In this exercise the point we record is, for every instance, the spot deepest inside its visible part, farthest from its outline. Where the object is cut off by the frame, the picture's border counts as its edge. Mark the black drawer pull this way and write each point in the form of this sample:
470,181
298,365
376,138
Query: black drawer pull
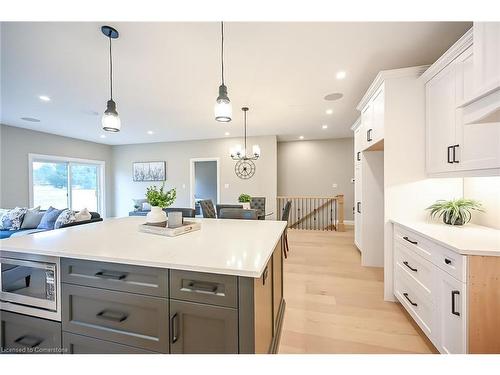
369,135
453,294
358,207
410,241
201,287
264,276
175,328
447,261
28,341
111,275
448,157
410,267
113,316
454,154
409,300
358,156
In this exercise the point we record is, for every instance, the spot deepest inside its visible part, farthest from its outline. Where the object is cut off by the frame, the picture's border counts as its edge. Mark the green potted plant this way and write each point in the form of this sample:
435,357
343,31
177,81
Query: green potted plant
159,199
245,200
455,212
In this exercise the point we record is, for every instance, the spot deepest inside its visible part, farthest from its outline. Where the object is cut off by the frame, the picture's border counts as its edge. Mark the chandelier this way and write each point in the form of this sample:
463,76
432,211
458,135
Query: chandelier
239,152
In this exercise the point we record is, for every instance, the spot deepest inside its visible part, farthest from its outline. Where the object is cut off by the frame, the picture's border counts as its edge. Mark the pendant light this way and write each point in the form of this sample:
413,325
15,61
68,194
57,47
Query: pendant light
238,153
222,109
110,120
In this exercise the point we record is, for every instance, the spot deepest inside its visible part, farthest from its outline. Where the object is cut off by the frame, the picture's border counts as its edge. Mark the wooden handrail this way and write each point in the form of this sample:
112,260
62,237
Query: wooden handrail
314,212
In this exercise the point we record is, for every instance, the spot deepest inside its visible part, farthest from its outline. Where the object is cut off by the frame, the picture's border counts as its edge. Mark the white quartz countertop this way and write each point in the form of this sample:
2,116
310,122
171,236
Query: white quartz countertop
231,247
468,239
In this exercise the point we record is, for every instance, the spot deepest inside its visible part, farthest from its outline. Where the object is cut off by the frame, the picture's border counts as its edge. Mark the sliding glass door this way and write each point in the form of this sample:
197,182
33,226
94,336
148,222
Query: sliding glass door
67,183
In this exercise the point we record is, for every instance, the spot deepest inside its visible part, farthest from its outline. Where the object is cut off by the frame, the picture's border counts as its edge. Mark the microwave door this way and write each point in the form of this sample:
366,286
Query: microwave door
28,283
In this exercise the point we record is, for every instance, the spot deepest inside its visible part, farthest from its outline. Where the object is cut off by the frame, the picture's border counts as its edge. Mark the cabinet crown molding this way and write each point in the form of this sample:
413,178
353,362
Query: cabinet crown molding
451,54
356,124
384,75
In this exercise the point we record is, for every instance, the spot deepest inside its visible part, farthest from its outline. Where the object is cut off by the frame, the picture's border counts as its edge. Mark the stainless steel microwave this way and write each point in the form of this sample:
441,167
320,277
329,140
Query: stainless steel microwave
31,286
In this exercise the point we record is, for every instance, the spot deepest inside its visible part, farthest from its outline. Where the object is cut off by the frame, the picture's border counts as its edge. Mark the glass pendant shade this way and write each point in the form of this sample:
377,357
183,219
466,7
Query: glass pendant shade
110,120
223,109
256,150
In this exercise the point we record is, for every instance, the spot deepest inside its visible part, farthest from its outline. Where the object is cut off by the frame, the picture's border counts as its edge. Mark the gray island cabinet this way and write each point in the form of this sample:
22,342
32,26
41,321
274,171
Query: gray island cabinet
110,307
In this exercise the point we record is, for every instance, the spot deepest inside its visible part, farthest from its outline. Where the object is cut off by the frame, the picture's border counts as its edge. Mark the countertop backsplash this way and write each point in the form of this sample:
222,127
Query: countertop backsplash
487,191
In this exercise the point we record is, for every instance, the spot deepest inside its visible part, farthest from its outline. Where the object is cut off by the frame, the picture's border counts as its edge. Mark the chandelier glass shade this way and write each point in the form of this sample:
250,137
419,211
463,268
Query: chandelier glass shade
239,152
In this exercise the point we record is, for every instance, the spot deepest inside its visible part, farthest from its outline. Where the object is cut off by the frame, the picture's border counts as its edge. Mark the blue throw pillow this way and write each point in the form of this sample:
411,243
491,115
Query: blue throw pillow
49,218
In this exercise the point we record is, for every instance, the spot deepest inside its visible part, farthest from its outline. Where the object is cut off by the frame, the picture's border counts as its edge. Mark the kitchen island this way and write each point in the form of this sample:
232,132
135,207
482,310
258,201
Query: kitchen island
117,290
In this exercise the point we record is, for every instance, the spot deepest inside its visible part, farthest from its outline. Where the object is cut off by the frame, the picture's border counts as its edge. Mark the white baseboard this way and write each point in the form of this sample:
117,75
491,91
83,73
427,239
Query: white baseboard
349,222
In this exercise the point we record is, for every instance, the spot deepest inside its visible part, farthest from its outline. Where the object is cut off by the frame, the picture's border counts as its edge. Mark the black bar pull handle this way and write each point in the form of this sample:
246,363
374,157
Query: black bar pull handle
264,276
409,300
369,135
447,261
454,153
203,287
28,341
448,156
175,328
358,207
358,156
410,267
410,241
113,316
453,307
112,275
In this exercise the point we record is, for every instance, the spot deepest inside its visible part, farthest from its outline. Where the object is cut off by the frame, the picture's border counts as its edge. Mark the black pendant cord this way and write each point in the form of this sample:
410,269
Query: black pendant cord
246,151
222,51
110,67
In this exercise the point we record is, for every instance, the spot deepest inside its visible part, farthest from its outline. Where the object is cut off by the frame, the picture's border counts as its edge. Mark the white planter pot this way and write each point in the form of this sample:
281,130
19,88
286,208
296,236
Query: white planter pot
156,216
246,205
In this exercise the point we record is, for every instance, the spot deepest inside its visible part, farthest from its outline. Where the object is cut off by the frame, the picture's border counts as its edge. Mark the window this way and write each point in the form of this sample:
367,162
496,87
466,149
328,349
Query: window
66,182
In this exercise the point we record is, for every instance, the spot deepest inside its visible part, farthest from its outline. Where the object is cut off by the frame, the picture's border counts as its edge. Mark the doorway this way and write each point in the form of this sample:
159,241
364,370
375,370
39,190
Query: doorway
205,181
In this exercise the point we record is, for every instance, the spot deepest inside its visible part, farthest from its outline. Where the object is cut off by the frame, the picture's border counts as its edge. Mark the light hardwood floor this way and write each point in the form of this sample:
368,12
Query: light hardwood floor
334,305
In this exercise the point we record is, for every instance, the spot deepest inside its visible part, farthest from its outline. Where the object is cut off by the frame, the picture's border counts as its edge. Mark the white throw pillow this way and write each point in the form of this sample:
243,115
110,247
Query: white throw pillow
146,207
66,217
83,215
3,212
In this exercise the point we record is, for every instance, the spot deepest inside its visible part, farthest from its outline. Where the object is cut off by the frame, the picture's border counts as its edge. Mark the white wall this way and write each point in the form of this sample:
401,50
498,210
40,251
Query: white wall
17,143
487,191
178,155
310,168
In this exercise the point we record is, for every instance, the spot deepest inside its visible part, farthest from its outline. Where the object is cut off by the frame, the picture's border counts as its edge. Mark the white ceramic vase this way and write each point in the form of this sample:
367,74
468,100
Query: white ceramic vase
156,216
246,205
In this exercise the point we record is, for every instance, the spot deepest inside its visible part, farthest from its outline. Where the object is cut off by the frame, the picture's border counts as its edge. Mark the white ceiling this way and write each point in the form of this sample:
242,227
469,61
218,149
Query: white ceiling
167,75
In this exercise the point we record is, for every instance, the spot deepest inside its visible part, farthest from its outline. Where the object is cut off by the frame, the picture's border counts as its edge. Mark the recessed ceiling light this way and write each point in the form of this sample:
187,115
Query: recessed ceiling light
44,98
30,119
340,74
329,111
301,137
324,126
102,136
226,133
150,132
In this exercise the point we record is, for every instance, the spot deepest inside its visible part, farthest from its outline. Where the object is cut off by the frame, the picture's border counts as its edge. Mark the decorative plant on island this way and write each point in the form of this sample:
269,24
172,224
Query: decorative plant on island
245,199
159,199
455,212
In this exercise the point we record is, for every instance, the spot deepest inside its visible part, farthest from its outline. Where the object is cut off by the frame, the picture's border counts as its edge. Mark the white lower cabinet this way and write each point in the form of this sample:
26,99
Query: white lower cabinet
426,282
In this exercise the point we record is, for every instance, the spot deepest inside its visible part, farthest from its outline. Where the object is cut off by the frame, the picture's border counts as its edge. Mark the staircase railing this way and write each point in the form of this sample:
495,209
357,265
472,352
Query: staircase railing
314,213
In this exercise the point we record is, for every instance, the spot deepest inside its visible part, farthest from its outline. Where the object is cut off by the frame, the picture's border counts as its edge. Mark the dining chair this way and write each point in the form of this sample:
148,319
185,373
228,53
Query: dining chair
207,209
285,217
238,213
259,204
219,207
186,212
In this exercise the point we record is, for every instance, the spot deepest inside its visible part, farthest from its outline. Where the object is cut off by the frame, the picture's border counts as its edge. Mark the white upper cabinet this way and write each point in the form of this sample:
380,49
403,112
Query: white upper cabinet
455,142
372,119
486,55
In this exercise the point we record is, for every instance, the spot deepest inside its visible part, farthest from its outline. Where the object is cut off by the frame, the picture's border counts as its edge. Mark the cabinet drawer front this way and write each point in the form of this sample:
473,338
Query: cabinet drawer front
451,262
26,334
121,277
418,305
416,267
413,241
130,319
78,344
221,290
203,329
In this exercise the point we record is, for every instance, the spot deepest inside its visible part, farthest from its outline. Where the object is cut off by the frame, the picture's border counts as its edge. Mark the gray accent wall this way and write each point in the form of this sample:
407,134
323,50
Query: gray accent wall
310,168
178,155
17,143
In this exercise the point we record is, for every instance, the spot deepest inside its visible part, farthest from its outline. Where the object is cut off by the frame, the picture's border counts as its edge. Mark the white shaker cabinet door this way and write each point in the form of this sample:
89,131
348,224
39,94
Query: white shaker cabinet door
440,122
486,55
358,218
452,314
378,110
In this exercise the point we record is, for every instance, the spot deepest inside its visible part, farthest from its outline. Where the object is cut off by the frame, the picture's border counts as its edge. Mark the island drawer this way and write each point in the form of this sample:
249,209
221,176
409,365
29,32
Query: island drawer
26,334
78,344
213,289
120,277
124,318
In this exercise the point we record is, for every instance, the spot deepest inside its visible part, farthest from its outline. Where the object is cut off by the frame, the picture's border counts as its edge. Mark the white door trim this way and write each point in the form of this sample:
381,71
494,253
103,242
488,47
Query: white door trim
191,177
